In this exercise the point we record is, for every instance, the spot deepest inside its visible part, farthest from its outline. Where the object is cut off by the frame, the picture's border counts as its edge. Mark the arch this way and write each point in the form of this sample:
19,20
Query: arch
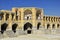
48,25
38,14
3,27
58,25
27,25
1,15
14,26
27,11
27,14
53,26
38,25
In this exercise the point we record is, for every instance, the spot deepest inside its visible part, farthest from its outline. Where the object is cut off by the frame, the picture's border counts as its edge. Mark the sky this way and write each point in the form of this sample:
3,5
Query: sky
51,7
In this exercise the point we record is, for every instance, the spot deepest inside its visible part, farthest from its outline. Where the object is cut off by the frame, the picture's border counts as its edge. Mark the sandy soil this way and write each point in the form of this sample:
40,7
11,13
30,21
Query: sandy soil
34,37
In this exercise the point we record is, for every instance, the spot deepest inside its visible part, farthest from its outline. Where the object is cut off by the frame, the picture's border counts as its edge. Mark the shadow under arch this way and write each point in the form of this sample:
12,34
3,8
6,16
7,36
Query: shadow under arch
53,26
3,27
48,25
58,25
27,25
14,26
38,25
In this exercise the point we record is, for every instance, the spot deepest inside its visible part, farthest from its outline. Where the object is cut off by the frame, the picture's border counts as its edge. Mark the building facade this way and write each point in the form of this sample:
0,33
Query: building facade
27,19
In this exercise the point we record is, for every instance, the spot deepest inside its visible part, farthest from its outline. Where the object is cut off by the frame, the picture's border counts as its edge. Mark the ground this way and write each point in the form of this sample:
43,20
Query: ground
34,37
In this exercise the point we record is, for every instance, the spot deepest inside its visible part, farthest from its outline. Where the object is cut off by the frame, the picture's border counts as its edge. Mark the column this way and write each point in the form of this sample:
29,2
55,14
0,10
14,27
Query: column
42,12
10,17
51,25
55,19
19,21
50,19
18,15
22,15
45,18
4,16
45,26
9,22
33,16
55,26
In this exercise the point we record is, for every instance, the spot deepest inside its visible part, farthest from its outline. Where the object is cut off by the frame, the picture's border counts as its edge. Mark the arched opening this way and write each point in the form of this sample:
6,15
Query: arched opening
52,19
12,15
26,26
3,27
38,25
27,14
49,18
48,25
53,26
38,14
17,14
1,15
14,26
7,16
58,25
